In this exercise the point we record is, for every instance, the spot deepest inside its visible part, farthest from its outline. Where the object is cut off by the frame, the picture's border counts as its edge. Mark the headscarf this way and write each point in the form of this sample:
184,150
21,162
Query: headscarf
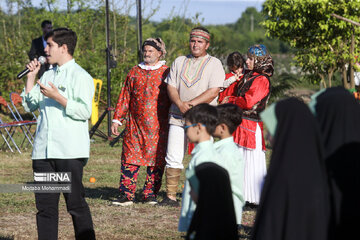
158,44
263,62
214,217
338,114
294,202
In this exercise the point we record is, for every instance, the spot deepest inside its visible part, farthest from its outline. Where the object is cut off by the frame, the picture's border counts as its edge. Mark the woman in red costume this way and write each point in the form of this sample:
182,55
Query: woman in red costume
251,94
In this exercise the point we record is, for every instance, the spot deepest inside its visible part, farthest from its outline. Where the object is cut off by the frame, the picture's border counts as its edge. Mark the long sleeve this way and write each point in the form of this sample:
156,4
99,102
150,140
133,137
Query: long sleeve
31,100
62,132
122,105
80,105
258,90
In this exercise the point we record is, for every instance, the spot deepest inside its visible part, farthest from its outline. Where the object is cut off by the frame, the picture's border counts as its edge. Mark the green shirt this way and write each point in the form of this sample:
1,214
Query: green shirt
203,152
232,161
62,133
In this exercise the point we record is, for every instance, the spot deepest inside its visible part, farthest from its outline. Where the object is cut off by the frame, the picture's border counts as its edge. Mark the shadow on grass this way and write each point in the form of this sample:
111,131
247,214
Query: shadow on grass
109,193
245,232
104,193
6,238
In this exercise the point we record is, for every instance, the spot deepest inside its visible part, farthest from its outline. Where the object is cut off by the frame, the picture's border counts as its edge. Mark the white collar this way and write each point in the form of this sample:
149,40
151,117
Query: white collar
146,67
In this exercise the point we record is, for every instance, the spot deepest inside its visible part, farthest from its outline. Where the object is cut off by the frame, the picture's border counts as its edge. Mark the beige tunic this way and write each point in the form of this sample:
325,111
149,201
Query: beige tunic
191,77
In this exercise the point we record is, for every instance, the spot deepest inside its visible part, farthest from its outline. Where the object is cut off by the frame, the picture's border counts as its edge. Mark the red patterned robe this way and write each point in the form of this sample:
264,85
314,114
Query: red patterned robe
145,104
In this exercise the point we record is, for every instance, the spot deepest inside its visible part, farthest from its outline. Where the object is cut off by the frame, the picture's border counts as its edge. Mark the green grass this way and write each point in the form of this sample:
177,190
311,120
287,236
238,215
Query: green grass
140,221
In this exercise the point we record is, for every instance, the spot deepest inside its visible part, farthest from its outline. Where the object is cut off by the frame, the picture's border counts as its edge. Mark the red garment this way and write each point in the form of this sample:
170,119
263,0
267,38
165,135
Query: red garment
144,98
229,91
244,135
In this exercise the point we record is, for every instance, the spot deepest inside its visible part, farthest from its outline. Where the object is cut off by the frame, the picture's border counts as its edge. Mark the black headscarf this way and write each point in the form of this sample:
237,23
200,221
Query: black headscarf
294,201
214,217
338,114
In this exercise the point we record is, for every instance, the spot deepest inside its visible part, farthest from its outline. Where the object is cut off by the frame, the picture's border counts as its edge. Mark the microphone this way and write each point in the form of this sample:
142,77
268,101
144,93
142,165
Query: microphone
41,59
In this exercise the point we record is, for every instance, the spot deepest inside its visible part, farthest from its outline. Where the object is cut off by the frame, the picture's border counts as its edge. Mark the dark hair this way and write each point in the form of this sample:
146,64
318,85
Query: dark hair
201,28
204,114
45,22
64,36
230,115
235,59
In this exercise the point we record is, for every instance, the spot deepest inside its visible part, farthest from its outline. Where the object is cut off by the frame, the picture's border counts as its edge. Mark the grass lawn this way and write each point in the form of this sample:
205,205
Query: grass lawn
139,221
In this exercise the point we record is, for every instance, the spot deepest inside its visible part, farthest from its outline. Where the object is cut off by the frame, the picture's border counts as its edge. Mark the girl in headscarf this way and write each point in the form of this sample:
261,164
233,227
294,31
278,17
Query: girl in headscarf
251,94
338,114
214,217
294,202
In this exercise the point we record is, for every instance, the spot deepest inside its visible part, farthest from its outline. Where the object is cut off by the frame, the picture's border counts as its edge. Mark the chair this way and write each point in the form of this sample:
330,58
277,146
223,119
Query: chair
95,102
24,125
8,128
16,99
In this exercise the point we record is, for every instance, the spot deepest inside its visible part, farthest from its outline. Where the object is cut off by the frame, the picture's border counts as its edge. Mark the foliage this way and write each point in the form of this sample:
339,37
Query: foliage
322,42
21,23
283,82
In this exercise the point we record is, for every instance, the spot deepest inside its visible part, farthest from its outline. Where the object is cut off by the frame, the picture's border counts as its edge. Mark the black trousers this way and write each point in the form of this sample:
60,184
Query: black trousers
47,204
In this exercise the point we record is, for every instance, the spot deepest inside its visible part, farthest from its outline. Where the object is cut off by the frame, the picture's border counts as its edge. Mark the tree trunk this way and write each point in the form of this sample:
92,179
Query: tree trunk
126,28
69,6
5,37
346,85
322,81
49,5
351,65
330,75
19,18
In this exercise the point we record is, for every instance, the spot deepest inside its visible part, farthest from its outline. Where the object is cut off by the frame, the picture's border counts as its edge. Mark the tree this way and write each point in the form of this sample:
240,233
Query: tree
322,42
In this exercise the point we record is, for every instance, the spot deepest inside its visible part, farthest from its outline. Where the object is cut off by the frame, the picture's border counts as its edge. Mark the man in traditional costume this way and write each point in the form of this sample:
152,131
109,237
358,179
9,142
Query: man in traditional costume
192,80
145,102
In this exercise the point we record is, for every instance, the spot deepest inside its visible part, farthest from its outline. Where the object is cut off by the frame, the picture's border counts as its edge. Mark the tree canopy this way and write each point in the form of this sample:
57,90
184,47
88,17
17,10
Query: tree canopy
20,23
321,41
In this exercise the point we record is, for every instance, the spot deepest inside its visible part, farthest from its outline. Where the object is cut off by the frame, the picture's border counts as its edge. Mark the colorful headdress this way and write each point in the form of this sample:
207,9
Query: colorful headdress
263,62
199,33
157,43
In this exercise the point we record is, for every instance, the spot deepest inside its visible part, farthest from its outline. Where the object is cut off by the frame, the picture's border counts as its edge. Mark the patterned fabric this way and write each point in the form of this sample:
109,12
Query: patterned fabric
212,76
198,33
145,102
157,43
263,61
189,77
128,180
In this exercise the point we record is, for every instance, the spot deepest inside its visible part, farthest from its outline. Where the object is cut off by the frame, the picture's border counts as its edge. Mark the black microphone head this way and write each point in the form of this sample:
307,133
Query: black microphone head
42,60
